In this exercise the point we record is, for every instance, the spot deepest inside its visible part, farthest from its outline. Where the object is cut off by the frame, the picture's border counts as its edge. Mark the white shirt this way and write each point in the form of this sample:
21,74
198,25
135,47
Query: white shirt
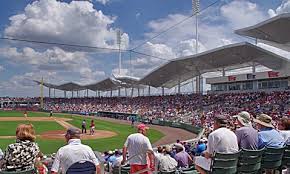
138,144
167,163
72,153
222,140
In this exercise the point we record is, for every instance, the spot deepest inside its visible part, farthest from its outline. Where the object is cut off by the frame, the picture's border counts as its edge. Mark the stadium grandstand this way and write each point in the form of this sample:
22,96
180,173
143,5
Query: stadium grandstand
241,122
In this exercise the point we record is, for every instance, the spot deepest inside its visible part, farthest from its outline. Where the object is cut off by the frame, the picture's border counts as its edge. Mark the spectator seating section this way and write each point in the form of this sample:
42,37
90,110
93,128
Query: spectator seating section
272,158
250,161
286,157
82,167
31,171
225,163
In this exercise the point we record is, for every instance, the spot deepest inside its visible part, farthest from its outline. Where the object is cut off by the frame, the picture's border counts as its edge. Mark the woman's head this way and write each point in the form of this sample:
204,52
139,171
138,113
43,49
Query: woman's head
25,132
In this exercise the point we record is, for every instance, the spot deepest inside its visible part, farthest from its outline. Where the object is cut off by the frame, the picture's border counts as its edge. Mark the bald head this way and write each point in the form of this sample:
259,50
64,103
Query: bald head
73,133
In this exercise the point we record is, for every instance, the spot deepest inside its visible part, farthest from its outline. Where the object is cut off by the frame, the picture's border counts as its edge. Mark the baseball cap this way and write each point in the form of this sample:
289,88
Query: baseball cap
142,127
244,118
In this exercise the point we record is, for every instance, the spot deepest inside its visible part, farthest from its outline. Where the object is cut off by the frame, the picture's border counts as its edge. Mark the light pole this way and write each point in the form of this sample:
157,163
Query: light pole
120,57
195,11
119,44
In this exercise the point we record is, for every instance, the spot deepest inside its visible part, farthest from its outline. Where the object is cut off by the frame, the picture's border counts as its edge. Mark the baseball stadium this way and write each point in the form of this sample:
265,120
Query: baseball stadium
113,86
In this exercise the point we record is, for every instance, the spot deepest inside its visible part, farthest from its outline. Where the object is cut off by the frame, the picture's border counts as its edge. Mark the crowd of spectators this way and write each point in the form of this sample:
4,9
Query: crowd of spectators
180,108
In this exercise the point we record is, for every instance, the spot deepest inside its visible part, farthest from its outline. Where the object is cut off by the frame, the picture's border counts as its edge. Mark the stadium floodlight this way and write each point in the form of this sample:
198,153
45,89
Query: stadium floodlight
119,40
195,11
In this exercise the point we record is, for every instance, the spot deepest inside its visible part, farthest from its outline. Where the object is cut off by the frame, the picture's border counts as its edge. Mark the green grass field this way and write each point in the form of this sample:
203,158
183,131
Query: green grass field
6,127
51,146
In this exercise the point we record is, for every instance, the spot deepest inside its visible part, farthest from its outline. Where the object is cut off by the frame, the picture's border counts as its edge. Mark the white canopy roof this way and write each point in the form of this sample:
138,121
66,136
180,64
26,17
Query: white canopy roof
274,31
228,57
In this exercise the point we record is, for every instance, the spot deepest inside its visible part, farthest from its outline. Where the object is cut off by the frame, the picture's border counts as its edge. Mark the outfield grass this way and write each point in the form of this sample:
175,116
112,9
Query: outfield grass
9,127
51,146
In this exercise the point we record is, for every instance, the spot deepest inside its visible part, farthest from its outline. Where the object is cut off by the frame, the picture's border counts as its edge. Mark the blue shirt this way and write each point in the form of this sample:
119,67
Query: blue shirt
200,148
269,137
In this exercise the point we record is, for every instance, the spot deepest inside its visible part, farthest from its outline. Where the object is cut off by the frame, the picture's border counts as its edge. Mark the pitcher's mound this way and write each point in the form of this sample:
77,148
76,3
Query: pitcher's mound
59,135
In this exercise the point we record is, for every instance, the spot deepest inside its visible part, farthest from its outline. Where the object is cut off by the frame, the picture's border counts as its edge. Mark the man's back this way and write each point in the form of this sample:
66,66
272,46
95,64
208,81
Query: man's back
182,159
247,137
269,137
71,153
138,144
222,140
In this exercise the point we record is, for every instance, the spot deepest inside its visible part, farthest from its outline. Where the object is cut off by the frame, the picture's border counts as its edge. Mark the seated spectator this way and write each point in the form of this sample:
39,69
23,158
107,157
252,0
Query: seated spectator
284,127
221,140
246,134
116,159
200,147
268,135
166,162
73,152
159,153
183,158
21,155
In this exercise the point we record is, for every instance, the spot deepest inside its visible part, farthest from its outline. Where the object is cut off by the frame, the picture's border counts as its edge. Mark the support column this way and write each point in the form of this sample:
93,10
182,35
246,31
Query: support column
149,90
178,89
199,84
162,91
99,93
223,72
111,93
253,68
72,94
53,92
96,93
138,89
87,93
49,92
64,94
125,92
119,92
132,92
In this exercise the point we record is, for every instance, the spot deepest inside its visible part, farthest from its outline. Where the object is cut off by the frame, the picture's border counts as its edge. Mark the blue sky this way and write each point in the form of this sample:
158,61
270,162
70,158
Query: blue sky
95,23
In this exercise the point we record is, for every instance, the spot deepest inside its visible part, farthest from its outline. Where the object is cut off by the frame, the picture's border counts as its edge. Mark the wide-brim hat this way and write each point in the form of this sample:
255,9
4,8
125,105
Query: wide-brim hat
264,120
244,118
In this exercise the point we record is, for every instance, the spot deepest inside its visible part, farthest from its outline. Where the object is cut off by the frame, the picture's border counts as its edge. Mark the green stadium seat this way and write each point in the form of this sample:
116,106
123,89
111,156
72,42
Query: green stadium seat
31,171
286,157
125,169
250,161
272,158
167,172
225,163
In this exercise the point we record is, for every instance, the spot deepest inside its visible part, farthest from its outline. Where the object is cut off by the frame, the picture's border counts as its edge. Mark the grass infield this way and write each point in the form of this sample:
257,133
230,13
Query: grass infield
7,128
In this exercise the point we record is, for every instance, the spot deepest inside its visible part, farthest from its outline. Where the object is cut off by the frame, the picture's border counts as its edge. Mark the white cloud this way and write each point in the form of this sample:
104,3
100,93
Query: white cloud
138,15
104,2
76,22
2,68
50,59
283,8
241,14
123,72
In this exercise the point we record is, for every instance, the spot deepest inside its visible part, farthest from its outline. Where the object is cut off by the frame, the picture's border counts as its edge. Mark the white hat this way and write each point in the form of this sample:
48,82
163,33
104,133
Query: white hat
244,118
